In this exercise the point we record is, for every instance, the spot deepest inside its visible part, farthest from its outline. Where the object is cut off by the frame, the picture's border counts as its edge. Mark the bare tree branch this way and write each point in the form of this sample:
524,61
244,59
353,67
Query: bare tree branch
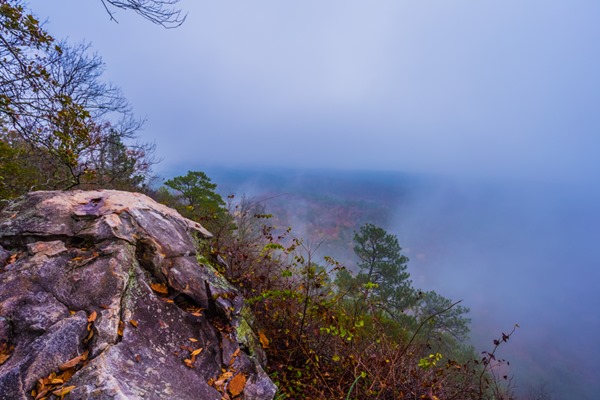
160,12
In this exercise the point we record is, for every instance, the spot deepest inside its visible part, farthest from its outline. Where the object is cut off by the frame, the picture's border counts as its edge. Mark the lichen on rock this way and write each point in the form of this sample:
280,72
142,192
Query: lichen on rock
101,296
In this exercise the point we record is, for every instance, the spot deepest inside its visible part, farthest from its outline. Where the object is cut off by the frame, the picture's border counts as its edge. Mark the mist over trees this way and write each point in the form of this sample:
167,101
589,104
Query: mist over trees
332,331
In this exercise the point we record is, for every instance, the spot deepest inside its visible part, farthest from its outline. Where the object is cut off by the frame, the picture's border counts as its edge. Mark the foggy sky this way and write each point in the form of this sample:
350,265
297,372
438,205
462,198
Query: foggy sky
516,254
472,87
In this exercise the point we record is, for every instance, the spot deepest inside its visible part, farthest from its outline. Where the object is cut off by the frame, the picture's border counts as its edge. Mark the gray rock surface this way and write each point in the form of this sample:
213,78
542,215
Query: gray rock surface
102,297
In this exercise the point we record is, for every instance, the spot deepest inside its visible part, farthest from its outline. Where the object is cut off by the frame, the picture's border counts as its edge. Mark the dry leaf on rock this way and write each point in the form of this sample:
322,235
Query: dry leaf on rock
5,352
234,355
221,381
160,288
92,316
237,384
63,391
89,335
73,361
197,351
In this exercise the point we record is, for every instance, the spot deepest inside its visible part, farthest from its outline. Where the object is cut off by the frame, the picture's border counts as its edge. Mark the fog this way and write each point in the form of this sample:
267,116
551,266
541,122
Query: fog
517,253
470,87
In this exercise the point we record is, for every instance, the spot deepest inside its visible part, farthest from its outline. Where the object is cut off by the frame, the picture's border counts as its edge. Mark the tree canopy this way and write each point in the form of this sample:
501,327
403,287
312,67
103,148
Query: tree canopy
61,126
382,269
195,198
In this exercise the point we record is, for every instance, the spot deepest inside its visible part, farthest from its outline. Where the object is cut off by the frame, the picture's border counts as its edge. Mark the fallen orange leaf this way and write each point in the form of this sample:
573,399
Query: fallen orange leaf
224,376
237,384
263,340
133,322
90,334
65,376
72,362
234,355
3,358
63,391
5,352
192,339
159,288
42,393
197,351
92,316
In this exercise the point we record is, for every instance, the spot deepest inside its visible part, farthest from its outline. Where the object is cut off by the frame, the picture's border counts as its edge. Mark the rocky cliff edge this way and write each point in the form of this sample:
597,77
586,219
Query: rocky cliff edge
102,297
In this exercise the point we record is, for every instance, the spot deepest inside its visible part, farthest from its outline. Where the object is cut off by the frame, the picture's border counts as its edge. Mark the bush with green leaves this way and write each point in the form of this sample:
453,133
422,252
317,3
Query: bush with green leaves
338,335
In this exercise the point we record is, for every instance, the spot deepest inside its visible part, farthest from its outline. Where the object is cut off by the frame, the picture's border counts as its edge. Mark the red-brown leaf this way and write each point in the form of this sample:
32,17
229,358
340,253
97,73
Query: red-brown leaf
73,362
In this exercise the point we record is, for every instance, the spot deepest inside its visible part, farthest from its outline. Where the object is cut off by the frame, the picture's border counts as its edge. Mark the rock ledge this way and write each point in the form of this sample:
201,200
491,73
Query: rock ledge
102,297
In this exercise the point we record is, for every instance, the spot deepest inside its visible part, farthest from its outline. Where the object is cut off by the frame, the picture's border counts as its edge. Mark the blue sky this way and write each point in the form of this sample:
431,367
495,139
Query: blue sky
492,88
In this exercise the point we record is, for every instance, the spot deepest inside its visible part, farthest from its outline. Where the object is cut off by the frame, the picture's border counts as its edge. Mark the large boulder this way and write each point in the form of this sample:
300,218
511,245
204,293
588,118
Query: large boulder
102,296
